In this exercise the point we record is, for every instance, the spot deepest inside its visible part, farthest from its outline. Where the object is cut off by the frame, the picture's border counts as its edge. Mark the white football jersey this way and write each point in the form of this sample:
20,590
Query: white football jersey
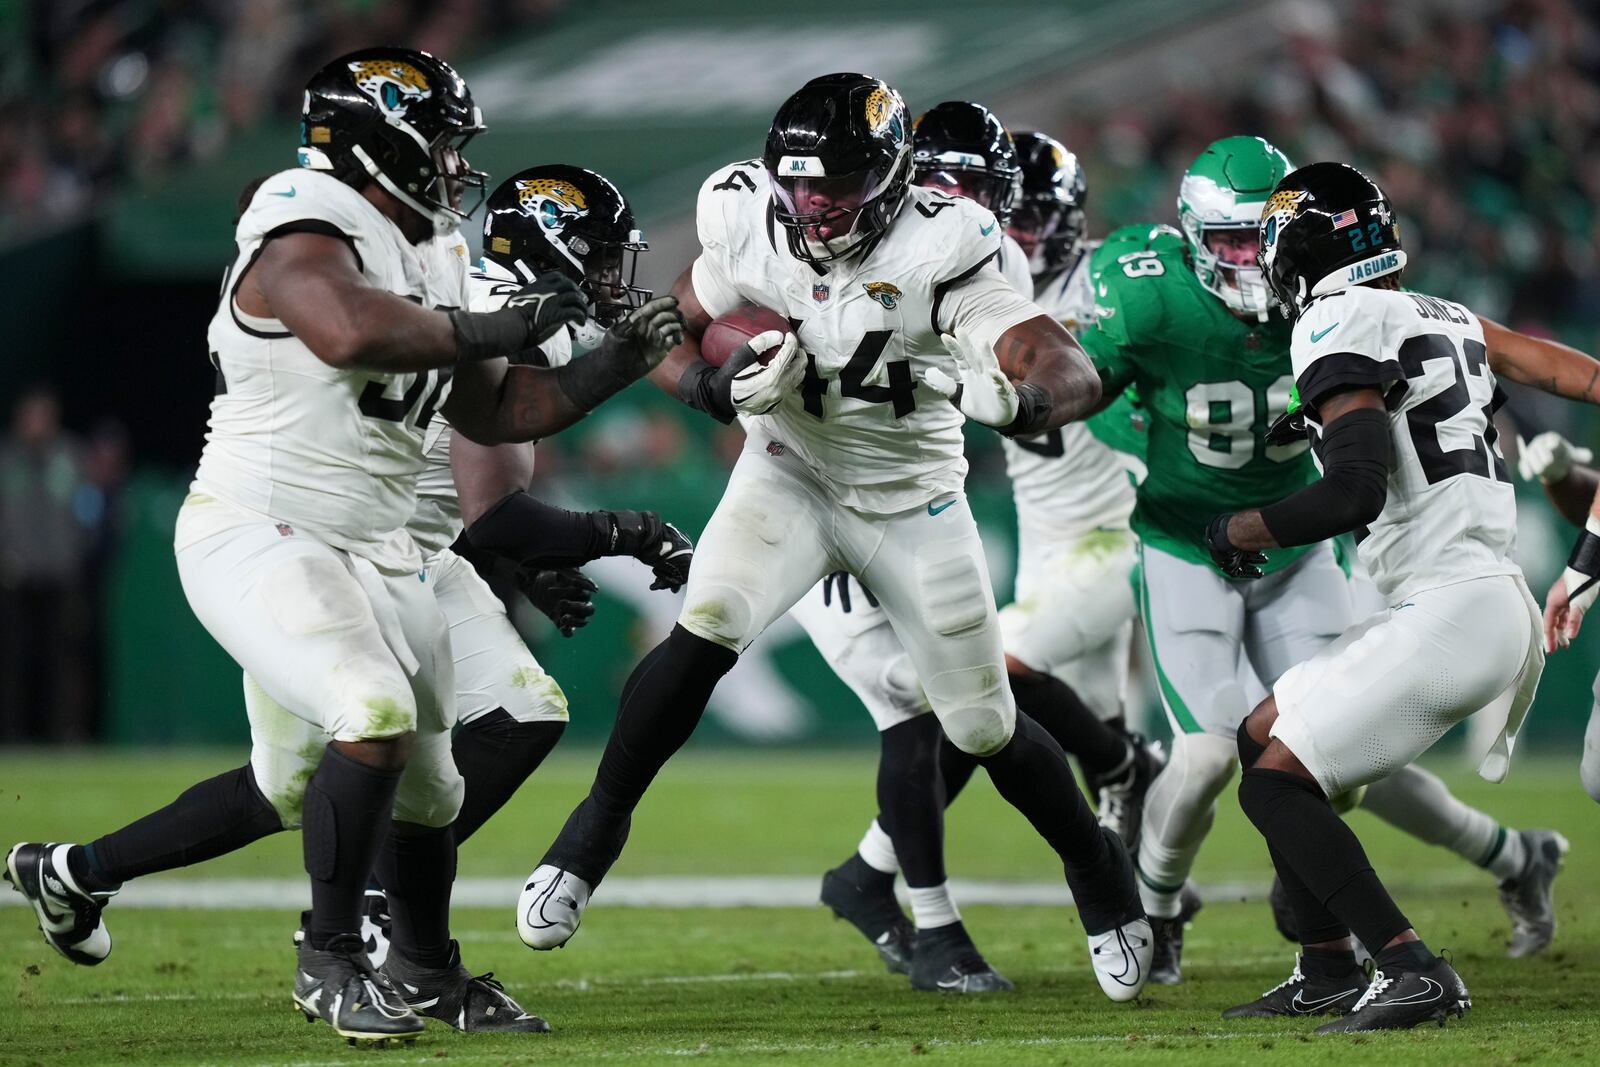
1066,482
871,327
436,522
1451,509
332,452
1014,265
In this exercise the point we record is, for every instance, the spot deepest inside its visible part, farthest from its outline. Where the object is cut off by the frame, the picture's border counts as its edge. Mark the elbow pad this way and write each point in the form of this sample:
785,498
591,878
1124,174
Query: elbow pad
1355,456
525,530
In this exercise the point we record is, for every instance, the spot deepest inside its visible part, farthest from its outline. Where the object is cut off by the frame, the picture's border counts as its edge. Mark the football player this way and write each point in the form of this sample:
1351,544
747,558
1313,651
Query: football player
853,461
1396,390
339,328
1195,330
1073,500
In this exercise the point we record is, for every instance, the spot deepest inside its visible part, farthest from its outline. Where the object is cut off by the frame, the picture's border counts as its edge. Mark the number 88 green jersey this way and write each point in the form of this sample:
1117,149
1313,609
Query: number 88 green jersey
1211,384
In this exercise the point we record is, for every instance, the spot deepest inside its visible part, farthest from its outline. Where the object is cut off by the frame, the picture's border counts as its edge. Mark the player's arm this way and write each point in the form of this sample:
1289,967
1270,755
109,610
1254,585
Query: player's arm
1111,362
1355,458
1559,467
313,284
1546,365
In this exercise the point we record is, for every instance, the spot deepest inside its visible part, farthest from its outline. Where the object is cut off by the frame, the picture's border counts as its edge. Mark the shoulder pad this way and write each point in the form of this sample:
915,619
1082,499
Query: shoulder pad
734,200
1014,265
308,196
957,235
488,294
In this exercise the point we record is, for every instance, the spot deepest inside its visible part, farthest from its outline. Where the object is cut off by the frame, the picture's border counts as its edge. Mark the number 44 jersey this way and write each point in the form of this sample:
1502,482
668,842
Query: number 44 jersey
334,453
882,442
1450,513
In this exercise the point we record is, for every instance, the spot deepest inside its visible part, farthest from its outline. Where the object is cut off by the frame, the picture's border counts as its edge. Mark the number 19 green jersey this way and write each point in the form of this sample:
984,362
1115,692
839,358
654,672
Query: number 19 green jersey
1211,384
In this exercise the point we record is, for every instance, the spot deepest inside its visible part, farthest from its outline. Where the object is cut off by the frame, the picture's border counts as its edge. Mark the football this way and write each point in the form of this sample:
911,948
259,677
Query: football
735,328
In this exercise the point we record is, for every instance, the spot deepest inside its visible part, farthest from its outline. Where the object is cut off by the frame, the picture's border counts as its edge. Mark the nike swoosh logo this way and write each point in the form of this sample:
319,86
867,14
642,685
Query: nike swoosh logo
418,1005
1310,1006
284,195
955,984
987,230
1317,335
1434,992
935,510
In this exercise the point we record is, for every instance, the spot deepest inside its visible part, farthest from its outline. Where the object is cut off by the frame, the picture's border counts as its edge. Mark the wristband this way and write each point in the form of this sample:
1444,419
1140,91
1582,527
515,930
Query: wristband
1033,411
1583,565
488,334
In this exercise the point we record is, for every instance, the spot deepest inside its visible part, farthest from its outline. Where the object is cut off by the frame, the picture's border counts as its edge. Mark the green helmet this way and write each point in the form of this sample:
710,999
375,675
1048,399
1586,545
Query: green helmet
1223,193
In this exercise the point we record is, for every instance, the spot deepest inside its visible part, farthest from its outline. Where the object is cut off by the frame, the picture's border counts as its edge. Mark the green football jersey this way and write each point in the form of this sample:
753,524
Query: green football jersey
1209,384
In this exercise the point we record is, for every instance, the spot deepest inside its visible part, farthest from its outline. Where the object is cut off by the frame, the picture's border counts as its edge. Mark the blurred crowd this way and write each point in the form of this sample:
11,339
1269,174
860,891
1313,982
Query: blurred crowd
1480,119
94,93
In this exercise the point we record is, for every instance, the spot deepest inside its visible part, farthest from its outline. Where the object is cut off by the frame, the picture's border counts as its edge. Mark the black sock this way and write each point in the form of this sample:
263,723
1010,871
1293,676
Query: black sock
661,704
209,819
1406,956
1031,773
1297,821
1312,920
417,866
1327,962
955,768
495,755
347,810
910,801
1050,702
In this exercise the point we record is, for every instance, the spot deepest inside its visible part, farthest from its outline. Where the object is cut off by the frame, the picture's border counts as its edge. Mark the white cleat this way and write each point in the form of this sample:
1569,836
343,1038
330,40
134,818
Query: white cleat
1121,959
551,907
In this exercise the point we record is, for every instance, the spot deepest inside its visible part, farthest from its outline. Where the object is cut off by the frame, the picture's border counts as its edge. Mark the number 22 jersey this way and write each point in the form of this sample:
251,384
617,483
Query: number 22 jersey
1450,513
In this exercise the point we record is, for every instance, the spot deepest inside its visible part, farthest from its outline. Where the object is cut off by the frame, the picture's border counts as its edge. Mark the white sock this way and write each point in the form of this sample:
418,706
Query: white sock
1178,812
1511,857
1416,802
933,906
878,851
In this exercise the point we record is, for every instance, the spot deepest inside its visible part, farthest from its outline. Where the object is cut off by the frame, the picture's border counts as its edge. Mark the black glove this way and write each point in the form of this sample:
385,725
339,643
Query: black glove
565,596
710,389
531,316
659,545
1234,562
1287,428
630,350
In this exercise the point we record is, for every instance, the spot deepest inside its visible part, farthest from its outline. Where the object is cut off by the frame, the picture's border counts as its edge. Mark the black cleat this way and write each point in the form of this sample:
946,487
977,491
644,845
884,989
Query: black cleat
338,985
1529,898
1166,966
69,916
945,959
1120,792
1305,995
864,897
473,1005
1399,1000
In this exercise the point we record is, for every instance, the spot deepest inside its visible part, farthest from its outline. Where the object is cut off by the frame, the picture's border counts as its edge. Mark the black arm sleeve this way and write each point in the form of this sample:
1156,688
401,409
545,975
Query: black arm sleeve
1355,457
526,530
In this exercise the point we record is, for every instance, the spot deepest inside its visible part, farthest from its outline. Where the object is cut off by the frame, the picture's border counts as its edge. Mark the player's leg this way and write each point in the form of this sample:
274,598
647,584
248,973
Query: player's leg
1194,621
764,546
1362,708
929,573
1589,768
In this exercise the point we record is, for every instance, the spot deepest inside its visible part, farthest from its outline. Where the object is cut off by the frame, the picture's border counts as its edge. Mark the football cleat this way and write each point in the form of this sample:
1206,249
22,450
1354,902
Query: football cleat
872,909
1166,968
1399,1000
471,1004
1121,946
338,985
1529,898
69,916
551,907
376,926
1121,791
1305,995
944,958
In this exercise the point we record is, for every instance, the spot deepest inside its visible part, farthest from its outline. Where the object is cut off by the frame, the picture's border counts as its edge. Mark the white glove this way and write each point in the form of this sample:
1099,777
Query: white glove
760,387
1549,457
981,389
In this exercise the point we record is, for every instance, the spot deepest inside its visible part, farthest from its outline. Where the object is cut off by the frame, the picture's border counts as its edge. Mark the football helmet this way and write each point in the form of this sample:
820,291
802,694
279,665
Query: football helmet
565,218
839,156
1048,220
1219,211
960,148
1326,227
401,118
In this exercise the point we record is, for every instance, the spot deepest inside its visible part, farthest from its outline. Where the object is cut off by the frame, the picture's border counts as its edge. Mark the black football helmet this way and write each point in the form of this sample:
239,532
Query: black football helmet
1049,221
565,218
962,149
839,156
1326,227
401,118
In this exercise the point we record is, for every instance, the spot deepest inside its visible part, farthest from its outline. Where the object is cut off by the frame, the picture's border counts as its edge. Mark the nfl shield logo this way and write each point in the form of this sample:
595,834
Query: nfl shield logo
819,292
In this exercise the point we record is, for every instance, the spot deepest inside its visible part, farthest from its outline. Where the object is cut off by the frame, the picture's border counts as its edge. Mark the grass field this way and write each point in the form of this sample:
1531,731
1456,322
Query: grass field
643,985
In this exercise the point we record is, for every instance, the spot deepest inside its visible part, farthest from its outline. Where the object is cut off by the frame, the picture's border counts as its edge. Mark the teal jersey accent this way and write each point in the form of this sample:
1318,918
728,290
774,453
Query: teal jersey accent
1210,384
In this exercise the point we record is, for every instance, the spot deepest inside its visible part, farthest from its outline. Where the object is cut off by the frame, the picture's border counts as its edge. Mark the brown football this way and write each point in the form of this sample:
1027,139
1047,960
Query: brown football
735,328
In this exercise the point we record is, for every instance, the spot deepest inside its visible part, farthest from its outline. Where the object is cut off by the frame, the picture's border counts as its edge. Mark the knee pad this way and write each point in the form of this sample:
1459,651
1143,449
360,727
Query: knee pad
974,707
950,589
431,789
1204,762
534,696
721,614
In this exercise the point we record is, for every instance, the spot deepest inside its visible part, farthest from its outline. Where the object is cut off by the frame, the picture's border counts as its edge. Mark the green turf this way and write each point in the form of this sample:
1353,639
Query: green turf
785,985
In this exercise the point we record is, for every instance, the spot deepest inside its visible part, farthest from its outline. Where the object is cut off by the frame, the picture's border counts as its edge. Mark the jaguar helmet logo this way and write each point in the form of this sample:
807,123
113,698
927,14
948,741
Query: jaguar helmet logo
555,203
883,111
1280,207
393,84
884,293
